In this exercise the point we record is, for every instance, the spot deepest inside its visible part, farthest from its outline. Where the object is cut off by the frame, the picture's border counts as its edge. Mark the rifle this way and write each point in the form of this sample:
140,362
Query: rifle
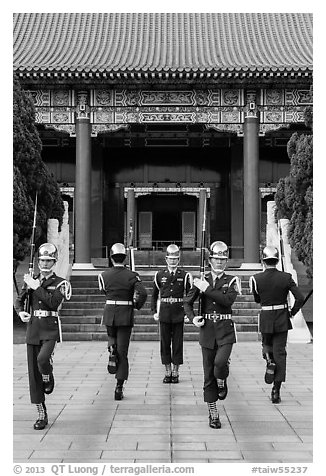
131,247
281,246
202,255
27,304
306,298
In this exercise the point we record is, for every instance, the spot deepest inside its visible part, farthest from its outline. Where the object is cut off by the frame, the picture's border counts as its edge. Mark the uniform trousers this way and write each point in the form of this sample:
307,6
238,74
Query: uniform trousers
171,346
276,344
216,366
120,335
39,361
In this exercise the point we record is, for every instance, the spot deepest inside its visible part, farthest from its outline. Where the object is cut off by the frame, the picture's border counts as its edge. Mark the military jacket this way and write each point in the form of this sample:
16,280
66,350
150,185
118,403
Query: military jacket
270,288
47,297
166,286
217,299
121,284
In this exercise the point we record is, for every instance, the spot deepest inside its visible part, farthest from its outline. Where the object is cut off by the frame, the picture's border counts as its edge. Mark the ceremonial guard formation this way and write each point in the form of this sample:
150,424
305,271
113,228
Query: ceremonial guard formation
217,292
44,293
124,292
271,289
169,288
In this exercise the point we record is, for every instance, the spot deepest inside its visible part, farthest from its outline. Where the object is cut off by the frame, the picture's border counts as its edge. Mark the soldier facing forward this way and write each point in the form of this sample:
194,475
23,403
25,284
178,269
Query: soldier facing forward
169,287
124,292
218,292
270,288
43,326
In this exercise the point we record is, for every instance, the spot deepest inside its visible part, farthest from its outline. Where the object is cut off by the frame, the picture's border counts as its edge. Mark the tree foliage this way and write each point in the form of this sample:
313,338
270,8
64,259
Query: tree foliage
31,175
294,195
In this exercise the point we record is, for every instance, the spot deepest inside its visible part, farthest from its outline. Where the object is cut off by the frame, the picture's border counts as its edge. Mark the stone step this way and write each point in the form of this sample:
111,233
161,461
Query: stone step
144,312
82,315
99,303
102,336
144,329
140,319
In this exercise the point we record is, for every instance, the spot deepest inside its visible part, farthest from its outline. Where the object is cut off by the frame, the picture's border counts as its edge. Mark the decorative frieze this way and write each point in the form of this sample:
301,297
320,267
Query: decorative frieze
138,191
82,106
221,109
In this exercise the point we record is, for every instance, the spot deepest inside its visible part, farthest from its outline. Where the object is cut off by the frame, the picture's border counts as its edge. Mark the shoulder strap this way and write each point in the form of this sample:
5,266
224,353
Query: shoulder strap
237,282
253,284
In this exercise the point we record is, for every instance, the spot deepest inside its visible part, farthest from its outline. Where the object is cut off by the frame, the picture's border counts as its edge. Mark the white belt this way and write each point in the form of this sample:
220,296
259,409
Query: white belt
171,300
217,317
40,313
120,303
274,308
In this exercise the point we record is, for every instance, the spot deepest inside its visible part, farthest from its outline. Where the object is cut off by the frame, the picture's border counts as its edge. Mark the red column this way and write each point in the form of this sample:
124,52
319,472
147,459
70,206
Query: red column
83,182
251,185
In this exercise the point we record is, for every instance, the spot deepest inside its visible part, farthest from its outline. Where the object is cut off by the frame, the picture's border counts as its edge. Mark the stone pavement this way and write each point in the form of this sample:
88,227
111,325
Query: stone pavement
163,423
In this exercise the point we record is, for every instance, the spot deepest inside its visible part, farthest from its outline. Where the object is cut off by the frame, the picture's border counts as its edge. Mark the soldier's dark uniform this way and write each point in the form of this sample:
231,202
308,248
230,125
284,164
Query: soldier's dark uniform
270,288
218,330
43,330
170,289
124,292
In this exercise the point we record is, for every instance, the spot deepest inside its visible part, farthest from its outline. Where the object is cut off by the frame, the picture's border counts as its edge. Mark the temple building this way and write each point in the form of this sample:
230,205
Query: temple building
152,120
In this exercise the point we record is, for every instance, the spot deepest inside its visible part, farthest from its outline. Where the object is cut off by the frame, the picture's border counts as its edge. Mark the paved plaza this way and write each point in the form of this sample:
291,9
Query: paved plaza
164,423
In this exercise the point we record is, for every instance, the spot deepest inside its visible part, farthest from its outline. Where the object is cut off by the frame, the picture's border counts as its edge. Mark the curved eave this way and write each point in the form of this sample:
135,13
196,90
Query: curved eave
158,75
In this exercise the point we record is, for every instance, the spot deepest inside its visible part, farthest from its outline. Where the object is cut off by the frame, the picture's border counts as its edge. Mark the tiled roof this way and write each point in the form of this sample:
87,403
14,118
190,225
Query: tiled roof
156,43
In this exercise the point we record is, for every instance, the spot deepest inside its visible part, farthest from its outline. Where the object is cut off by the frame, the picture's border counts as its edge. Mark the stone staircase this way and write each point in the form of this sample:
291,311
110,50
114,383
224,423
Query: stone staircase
81,316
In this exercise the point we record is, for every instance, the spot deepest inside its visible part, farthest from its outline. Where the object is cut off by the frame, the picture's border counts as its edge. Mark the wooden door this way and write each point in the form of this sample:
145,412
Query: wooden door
188,229
145,220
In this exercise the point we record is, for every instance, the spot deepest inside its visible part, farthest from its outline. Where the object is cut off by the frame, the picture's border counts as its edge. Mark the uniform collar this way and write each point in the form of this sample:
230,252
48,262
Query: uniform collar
45,278
216,276
174,270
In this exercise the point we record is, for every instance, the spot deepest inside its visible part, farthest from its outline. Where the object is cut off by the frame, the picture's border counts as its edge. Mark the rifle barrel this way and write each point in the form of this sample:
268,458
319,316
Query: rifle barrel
31,258
202,253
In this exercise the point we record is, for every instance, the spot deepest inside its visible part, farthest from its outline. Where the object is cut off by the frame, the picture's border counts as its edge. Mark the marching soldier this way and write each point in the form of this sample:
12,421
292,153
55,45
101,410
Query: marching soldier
270,288
43,326
124,292
169,287
218,291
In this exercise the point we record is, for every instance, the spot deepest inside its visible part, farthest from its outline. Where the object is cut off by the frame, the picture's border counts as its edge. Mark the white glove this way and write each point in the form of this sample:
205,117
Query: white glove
201,284
155,316
186,319
31,282
198,321
25,317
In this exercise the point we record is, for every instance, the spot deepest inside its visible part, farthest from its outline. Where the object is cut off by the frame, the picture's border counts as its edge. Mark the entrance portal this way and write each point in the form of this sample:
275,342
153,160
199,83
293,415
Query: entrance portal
165,219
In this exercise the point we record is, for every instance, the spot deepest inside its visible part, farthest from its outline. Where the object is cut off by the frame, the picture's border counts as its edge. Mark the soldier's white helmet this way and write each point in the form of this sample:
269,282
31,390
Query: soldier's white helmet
47,251
218,250
172,255
118,249
172,251
270,253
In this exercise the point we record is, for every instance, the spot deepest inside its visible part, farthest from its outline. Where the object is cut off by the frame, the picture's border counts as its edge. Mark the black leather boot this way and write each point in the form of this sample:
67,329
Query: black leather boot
42,420
213,416
113,359
118,392
214,422
222,390
270,371
276,392
48,384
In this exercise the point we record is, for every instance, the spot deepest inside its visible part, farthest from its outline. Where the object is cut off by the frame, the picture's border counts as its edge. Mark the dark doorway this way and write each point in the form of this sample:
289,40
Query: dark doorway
163,214
167,227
